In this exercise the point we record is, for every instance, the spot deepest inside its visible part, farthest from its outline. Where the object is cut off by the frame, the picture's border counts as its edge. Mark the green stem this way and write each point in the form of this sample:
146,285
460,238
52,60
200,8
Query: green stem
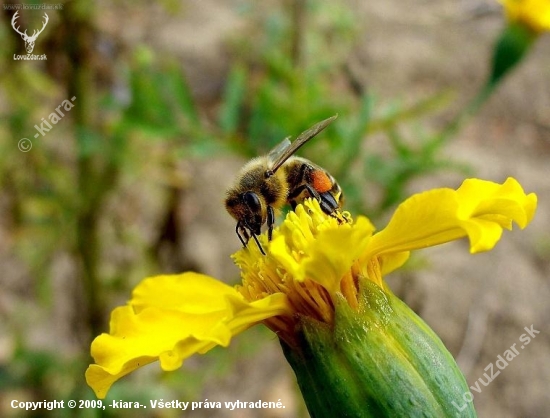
81,86
511,47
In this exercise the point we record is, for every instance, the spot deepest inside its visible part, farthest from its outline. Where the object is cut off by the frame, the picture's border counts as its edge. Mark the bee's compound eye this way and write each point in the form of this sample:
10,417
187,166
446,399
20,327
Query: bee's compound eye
252,201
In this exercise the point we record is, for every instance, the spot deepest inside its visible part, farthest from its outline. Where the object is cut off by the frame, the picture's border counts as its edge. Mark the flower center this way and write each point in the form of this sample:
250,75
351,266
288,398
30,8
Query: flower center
309,261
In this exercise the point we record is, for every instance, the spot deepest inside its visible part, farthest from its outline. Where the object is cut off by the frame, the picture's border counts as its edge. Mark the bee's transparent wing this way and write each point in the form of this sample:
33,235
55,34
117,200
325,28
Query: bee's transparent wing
277,152
282,152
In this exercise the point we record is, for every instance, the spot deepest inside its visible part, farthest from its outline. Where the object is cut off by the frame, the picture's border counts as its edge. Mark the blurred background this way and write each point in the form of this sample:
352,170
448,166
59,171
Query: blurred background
172,97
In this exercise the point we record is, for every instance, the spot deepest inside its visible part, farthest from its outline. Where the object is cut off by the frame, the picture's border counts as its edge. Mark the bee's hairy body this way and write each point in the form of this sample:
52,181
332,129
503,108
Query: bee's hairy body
273,189
307,179
296,180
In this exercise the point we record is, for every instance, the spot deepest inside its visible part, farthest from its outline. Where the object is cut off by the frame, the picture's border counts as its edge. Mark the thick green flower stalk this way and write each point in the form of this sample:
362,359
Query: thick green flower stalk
356,349
381,360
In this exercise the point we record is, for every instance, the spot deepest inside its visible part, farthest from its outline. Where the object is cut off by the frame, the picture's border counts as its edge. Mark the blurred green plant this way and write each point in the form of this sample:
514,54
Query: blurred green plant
72,194
526,20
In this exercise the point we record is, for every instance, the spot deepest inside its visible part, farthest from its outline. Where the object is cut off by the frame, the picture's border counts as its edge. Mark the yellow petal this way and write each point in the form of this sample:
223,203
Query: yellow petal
392,261
535,14
501,203
160,328
478,209
334,251
139,339
183,292
288,259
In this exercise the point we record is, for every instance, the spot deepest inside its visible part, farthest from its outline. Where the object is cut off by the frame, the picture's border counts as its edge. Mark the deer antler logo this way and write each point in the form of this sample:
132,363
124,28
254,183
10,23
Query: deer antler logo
29,40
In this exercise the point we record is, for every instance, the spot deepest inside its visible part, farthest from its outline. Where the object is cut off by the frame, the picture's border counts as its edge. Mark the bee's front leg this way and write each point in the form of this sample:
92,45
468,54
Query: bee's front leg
242,233
270,221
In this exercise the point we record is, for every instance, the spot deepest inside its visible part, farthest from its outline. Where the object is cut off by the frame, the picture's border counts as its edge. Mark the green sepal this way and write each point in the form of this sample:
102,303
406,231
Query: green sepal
513,43
379,361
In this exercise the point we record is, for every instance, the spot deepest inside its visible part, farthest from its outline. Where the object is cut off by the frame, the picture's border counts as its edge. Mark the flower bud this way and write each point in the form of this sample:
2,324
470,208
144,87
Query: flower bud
381,360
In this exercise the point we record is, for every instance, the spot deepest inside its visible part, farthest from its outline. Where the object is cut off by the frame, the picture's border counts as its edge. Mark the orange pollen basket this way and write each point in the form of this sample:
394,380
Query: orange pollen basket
321,182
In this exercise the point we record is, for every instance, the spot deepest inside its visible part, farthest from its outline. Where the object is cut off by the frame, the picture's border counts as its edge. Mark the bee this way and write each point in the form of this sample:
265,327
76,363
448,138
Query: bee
265,184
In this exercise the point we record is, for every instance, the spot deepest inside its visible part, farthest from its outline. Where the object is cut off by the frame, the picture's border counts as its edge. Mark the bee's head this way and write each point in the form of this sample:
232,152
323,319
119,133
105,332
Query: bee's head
247,208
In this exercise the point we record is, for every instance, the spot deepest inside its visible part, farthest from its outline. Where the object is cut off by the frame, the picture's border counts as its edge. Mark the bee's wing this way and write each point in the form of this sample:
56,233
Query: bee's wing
277,152
282,152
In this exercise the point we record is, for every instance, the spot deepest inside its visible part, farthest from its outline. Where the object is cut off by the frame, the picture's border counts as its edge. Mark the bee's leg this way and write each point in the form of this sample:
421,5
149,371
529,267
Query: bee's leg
327,202
270,221
312,193
242,234
298,191
258,244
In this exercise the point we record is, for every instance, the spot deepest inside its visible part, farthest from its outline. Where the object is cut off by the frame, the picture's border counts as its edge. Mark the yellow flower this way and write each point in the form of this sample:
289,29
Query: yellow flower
314,264
534,14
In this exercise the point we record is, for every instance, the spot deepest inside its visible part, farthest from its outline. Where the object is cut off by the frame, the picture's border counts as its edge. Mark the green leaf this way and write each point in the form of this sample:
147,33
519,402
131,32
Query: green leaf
233,100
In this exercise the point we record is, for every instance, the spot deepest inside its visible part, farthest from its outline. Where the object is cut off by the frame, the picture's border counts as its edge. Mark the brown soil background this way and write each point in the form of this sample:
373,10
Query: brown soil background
479,305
